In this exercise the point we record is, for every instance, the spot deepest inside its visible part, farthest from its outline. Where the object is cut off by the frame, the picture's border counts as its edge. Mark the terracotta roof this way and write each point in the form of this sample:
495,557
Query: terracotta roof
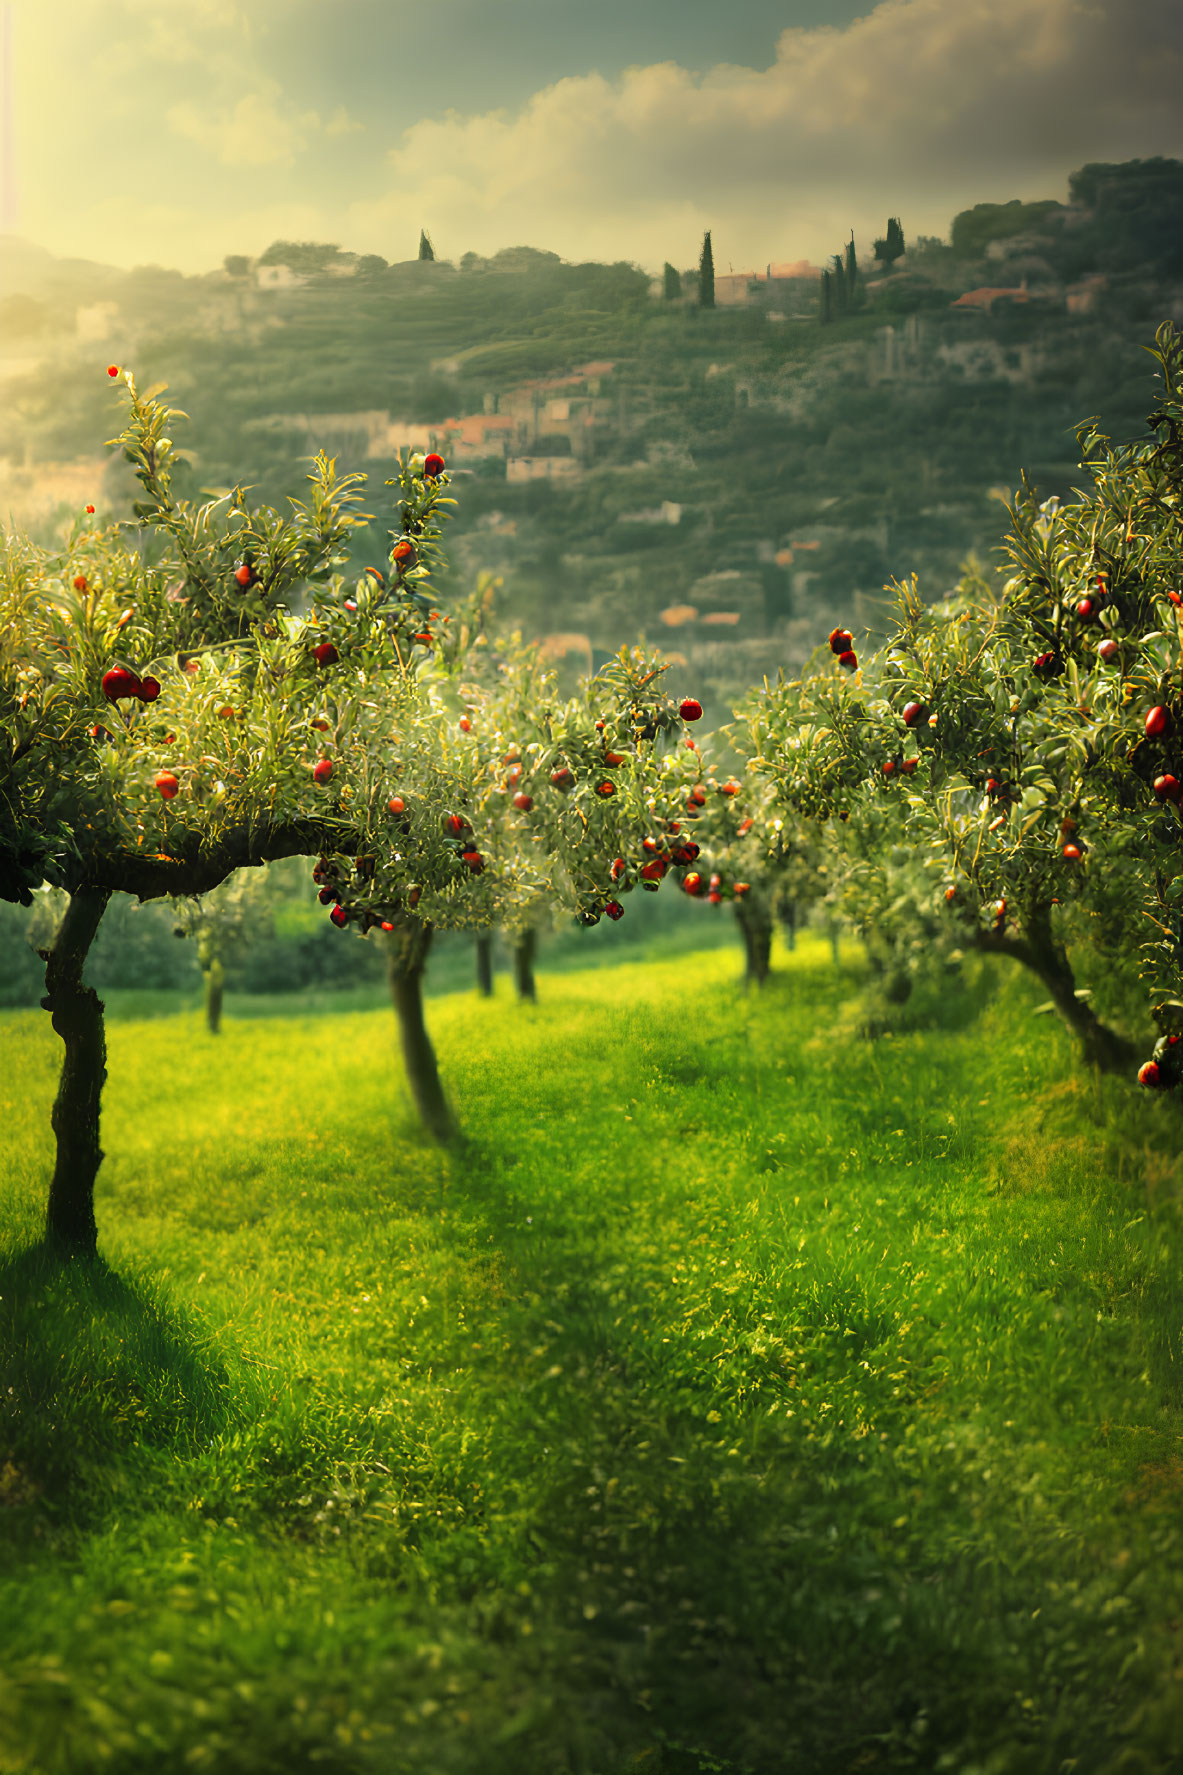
985,296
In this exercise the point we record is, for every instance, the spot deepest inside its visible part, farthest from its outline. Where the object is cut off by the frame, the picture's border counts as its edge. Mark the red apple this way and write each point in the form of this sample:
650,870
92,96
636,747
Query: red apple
90,511
605,790
455,825
562,778
741,888
149,689
912,713
167,783
403,552
841,641
1071,853
950,895
387,925
653,871
690,710
1084,608
693,882
908,766
339,916
1167,788
1108,650
80,582
614,910
112,369
889,768
523,802
849,660
396,804
325,654
618,868
327,896
433,465
322,771
119,682
1150,1075
1157,722
244,574
474,860
613,757
730,787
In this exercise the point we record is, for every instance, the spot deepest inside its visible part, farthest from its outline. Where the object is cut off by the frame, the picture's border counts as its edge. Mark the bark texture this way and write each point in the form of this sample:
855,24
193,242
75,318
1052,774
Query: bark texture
407,950
1040,950
77,1014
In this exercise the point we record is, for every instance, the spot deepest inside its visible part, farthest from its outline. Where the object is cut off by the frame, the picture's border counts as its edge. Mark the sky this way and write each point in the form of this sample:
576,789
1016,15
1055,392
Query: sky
175,132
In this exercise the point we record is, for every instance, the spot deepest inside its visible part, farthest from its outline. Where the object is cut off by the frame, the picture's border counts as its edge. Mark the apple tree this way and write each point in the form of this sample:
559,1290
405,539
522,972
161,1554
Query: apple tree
1028,736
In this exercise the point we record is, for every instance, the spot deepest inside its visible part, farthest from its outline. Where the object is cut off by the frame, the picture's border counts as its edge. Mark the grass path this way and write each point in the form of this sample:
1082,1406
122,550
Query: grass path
743,1396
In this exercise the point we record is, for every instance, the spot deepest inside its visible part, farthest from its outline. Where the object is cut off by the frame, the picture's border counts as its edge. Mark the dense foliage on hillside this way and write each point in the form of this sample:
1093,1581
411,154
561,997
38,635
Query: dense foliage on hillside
821,460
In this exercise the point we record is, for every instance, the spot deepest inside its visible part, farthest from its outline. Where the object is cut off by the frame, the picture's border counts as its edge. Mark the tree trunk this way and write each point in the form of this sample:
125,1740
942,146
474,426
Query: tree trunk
484,963
77,1014
214,981
1040,950
788,918
407,950
755,921
523,965
832,931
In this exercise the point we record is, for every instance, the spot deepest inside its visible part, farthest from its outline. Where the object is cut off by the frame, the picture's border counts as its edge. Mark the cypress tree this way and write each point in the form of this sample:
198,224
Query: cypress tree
673,283
706,274
840,291
853,291
426,250
888,251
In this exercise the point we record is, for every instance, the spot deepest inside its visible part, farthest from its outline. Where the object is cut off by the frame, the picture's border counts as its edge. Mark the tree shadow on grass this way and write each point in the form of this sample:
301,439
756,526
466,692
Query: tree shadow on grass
98,1373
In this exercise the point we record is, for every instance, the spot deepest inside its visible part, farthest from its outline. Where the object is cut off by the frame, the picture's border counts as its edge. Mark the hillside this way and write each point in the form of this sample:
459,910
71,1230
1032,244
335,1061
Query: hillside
619,455
774,1400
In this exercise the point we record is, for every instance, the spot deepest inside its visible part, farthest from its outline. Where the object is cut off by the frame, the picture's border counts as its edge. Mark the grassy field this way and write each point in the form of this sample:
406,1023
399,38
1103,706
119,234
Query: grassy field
743,1396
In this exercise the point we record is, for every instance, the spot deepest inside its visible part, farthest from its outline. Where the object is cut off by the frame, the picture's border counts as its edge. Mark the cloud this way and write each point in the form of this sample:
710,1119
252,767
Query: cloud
253,132
919,109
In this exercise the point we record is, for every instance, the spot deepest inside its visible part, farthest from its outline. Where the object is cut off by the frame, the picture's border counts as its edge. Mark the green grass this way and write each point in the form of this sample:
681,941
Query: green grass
742,1396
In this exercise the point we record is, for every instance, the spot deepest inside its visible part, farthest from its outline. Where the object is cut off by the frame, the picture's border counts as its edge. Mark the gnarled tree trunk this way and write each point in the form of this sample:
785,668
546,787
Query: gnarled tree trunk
407,950
77,1014
524,948
484,963
755,922
788,919
1041,950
